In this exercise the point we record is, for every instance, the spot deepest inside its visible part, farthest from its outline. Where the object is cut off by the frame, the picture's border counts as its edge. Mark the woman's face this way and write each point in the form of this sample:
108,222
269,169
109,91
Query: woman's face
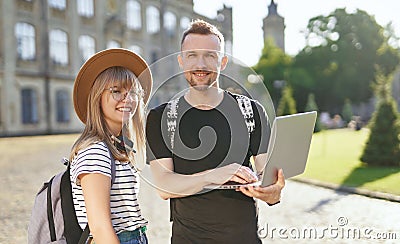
118,105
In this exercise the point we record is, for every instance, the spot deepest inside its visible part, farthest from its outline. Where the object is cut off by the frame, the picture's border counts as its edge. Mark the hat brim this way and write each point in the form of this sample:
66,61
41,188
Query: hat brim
102,61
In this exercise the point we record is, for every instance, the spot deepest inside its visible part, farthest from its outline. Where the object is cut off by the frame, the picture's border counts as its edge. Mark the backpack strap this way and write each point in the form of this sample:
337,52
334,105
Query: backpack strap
112,167
172,115
50,217
86,231
247,111
85,235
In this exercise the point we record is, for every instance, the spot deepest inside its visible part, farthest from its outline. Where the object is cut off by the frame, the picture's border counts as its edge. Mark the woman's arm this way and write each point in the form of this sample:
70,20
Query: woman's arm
96,192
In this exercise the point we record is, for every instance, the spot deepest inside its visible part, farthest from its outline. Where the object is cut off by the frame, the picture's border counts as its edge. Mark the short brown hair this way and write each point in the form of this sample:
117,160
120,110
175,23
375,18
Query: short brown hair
202,27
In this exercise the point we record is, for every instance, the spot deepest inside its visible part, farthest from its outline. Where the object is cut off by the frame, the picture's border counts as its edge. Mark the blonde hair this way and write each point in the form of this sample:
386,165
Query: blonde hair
96,128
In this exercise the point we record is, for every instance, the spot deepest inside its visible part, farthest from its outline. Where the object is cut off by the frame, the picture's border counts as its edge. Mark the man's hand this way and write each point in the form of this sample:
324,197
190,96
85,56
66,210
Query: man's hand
231,172
270,194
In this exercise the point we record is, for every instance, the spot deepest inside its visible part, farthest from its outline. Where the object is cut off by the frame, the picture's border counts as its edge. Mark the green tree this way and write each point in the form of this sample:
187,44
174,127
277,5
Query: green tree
273,66
347,112
302,83
287,104
340,57
312,106
383,145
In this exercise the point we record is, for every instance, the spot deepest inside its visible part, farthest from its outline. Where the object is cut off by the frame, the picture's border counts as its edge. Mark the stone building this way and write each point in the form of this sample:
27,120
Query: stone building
274,26
44,42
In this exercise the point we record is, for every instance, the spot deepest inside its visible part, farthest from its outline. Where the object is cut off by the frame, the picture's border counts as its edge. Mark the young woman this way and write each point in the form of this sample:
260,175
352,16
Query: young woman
110,93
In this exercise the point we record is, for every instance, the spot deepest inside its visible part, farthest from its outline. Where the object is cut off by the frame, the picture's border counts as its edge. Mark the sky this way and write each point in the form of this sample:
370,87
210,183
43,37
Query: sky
248,16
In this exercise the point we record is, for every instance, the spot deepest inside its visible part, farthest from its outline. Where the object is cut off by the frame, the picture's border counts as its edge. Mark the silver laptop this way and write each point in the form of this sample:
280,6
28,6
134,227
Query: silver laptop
288,149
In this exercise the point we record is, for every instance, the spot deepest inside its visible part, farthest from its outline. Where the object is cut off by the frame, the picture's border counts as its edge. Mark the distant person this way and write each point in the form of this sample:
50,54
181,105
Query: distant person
110,92
216,216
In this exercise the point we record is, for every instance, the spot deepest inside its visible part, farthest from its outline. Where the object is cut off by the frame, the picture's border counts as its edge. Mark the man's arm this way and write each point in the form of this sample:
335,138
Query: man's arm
172,185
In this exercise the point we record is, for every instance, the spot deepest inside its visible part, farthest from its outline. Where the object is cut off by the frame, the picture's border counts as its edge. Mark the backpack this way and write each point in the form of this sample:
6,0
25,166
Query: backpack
53,218
244,104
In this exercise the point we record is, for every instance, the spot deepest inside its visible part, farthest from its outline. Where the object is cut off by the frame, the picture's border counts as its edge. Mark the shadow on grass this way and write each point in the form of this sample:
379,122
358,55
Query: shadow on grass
364,174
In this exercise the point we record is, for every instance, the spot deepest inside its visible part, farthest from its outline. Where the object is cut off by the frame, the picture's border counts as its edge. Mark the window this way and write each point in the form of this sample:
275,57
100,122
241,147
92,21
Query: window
86,47
154,56
59,47
170,23
58,4
1,99
185,22
228,47
153,20
133,15
25,35
136,49
62,103
153,59
113,44
29,106
85,8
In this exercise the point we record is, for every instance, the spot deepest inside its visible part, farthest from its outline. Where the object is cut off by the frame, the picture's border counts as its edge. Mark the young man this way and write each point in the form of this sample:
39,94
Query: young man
211,144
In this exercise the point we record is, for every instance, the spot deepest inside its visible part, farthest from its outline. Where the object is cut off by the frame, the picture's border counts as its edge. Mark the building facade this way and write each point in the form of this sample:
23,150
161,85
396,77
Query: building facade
45,42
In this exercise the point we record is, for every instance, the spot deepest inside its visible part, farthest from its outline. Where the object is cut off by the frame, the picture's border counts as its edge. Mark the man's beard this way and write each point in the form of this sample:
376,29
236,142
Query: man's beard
200,87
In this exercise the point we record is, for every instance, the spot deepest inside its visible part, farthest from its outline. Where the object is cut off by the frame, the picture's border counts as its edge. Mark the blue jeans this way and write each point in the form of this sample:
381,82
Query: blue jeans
137,236
133,237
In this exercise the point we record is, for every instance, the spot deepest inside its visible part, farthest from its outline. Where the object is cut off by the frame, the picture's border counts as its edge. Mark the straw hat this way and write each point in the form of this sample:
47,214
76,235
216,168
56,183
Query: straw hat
102,61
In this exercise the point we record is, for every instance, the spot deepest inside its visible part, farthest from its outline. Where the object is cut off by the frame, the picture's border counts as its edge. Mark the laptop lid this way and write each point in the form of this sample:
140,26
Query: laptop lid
290,146
288,149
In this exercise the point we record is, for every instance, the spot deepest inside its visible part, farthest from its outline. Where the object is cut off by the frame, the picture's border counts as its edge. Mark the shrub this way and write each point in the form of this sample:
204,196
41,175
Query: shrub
287,104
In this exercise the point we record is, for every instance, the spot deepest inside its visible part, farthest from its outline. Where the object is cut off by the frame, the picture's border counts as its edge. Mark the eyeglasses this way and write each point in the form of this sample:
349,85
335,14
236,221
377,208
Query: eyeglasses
118,95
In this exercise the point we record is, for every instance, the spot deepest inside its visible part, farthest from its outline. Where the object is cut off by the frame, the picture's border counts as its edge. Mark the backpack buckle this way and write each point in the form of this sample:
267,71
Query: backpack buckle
65,161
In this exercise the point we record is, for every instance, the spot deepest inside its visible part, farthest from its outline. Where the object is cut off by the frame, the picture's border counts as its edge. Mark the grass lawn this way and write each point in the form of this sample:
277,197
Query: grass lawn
334,157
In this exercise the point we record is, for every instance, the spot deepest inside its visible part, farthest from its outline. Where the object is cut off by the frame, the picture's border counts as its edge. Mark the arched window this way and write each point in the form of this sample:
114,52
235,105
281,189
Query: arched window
152,20
85,8
62,103
25,35
170,23
185,21
113,44
136,49
59,47
228,47
133,15
86,47
58,4
29,107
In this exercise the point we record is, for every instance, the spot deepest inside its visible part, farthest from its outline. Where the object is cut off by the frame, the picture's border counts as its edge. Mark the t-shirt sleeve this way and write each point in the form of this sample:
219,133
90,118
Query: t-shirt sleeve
93,159
259,138
156,145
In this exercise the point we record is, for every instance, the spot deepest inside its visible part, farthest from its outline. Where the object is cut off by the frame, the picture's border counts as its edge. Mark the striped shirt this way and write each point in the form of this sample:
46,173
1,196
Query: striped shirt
125,211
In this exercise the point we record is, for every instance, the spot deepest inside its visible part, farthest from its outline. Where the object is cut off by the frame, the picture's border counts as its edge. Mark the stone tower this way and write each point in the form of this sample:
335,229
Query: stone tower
274,26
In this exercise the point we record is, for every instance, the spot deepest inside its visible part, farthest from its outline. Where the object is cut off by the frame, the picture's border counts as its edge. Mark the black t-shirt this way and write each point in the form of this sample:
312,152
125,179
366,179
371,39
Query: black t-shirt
206,139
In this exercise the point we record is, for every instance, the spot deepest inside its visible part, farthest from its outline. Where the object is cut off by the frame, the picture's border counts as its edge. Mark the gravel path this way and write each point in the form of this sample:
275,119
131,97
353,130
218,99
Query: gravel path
329,216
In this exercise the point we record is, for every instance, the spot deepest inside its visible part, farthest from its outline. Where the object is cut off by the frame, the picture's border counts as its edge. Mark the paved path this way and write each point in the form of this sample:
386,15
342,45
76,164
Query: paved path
331,217
307,214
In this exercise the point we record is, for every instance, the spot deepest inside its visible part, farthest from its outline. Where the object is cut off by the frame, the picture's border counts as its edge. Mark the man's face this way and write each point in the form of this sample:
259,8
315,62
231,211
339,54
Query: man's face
202,60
